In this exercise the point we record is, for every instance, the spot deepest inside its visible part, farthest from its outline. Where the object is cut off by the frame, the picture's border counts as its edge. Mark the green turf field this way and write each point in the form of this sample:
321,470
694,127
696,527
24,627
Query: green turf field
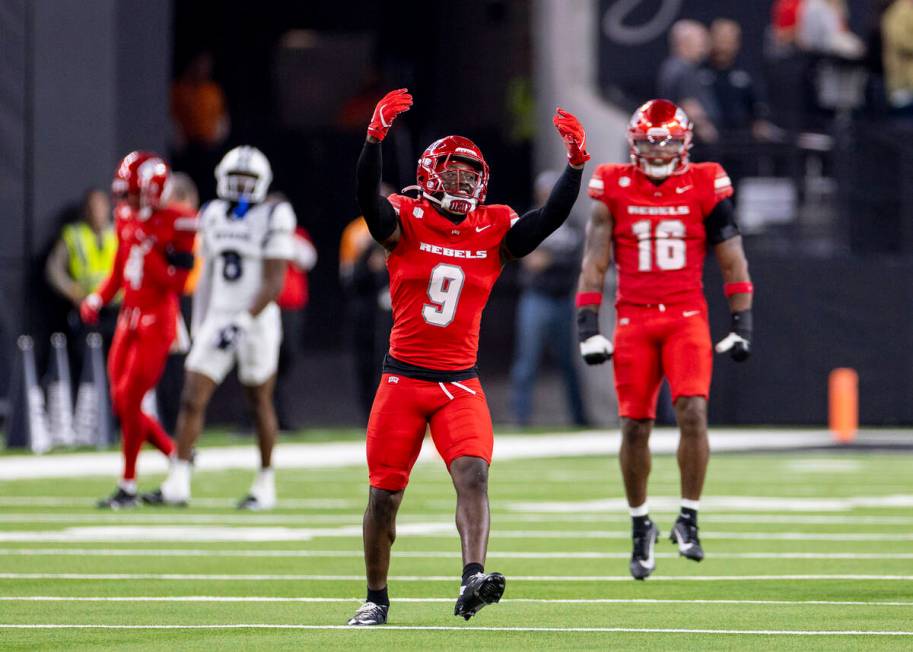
806,550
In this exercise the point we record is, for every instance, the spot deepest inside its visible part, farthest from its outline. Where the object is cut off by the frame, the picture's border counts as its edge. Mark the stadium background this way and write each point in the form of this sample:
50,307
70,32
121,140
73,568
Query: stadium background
84,81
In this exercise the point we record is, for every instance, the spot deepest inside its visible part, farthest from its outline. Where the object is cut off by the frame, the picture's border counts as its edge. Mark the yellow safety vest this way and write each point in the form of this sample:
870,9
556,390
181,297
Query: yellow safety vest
91,258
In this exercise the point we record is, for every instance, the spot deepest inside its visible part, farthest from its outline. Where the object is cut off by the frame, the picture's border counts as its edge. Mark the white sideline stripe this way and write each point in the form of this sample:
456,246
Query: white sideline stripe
430,628
427,554
216,577
352,454
188,533
580,601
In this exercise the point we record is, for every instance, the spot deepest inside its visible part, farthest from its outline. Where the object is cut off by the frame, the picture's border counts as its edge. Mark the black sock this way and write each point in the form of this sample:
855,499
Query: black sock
689,515
471,569
641,522
379,597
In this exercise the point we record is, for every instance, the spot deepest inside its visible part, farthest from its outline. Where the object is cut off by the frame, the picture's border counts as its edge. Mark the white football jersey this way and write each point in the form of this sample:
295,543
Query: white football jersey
234,249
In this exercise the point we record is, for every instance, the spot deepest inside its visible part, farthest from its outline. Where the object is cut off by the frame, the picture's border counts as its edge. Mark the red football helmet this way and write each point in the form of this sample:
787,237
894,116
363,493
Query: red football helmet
154,175
453,174
659,136
126,180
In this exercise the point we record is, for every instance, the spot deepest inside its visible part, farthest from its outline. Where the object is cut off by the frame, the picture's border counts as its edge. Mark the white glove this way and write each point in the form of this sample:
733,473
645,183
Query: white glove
230,334
596,349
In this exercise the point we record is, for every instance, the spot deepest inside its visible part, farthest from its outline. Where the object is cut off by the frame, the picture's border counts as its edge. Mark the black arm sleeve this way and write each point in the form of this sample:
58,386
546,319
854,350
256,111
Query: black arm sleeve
377,211
179,259
720,224
536,225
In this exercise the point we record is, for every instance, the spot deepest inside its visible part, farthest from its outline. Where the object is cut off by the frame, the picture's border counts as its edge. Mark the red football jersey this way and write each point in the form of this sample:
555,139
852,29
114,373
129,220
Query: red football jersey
659,238
441,274
141,267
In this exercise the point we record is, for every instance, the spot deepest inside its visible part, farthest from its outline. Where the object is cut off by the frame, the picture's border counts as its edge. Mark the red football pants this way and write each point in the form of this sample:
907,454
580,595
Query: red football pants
404,408
650,343
135,364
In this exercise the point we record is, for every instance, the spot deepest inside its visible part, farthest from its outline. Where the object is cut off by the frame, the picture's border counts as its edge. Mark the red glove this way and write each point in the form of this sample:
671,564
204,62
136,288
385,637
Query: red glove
393,103
574,136
89,309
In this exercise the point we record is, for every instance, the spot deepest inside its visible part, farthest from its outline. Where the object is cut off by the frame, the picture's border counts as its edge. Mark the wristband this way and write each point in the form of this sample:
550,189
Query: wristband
587,324
741,323
740,287
589,299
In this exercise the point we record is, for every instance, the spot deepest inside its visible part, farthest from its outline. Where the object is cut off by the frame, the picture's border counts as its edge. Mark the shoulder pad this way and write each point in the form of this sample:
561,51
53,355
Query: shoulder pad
604,179
398,201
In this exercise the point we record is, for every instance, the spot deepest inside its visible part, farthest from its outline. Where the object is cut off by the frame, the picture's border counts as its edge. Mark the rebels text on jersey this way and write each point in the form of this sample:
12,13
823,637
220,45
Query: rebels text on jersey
658,234
441,275
141,266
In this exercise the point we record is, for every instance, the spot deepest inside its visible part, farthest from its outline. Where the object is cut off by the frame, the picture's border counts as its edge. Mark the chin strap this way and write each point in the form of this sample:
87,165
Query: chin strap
448,202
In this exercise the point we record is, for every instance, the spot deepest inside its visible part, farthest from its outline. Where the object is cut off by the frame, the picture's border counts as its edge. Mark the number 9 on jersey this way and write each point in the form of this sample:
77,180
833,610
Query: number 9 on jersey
444,293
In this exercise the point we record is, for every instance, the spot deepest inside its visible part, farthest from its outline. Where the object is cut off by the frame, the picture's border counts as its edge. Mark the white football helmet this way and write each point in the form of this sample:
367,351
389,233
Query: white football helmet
243,174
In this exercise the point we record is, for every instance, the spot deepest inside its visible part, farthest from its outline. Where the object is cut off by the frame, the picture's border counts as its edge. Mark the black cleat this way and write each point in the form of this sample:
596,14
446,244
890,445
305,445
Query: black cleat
480,589
253,504
120,499
643,561
156,498
684,534
370,614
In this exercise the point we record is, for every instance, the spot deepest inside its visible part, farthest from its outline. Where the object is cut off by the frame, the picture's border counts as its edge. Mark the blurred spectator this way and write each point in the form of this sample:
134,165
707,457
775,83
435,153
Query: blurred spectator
198,105
784,18
292,301
680,77
733,89
81,259
897,32
545,314
823,28
182,192
201,122
363,274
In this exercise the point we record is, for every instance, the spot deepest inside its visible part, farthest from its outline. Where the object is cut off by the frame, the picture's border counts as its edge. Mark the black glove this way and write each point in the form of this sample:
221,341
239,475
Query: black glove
594,347
738,342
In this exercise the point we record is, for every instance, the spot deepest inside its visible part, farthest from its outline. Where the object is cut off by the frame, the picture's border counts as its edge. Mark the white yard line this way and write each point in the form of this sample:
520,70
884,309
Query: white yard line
720,503
235,518
470,628
352,454
188,533
229,518
571,601
291,577
89,501
426,554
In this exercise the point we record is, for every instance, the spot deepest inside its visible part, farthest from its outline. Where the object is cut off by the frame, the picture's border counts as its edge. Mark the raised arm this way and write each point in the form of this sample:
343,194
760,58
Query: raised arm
597,256
377,211
536,225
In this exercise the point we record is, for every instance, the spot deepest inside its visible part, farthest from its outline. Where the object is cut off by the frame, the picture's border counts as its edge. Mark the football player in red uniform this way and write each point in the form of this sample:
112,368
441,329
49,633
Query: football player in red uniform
658,214
445,250
154,257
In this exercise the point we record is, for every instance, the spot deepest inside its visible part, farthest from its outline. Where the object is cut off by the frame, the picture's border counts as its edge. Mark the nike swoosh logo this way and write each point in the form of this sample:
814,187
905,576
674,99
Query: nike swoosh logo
682,189
681,543
479,229
691,313
650,562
